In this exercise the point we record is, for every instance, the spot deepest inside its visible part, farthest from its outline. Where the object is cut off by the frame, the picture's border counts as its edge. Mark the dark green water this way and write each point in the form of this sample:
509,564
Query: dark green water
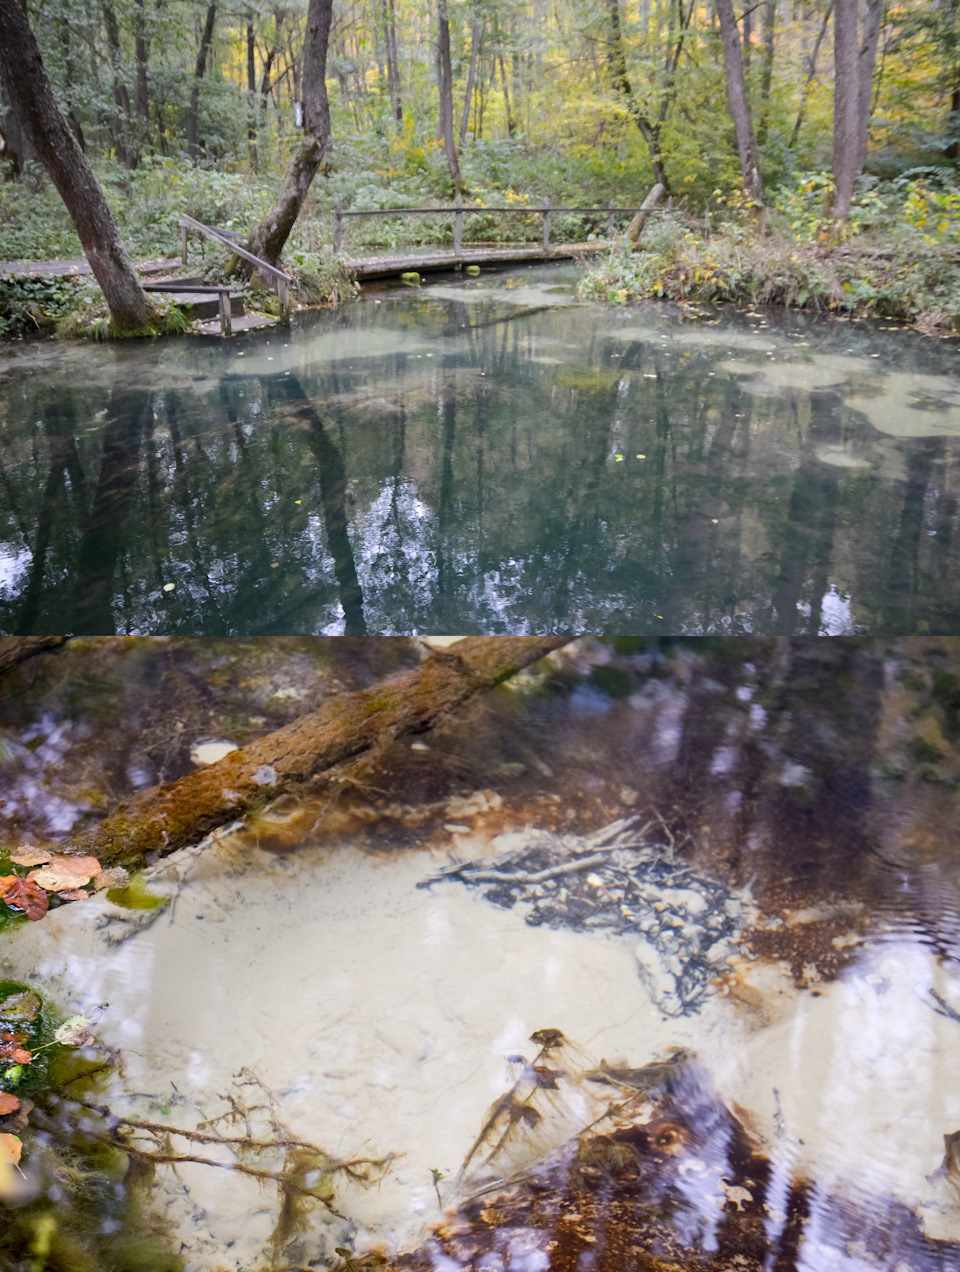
486,456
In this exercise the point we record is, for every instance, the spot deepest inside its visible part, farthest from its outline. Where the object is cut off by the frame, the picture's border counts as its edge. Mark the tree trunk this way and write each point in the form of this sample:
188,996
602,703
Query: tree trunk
252,101
739,106
766,75
811,71
621,83
511,122
143,57
747,34
30,95
872,21
471,76
120,95
393,62
445,85
164,818
846,106
268,239
194,108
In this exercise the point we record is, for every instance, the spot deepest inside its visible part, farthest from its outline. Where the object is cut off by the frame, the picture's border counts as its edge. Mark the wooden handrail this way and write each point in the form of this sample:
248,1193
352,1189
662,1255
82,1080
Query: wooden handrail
282,281
459,211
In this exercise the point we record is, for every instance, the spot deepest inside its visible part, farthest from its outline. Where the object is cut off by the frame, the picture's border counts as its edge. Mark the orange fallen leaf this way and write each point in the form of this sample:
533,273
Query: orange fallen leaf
28,897
8,1103
65,872
73,894
12,1051
10,1149
7,881
27,855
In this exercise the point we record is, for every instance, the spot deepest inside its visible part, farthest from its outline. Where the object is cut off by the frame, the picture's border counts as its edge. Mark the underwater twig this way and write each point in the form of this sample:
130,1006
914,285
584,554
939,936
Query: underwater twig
944,1008
522,876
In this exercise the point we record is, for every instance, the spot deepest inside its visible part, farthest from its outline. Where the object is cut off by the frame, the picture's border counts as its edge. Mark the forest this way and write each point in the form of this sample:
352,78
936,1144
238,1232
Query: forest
806,150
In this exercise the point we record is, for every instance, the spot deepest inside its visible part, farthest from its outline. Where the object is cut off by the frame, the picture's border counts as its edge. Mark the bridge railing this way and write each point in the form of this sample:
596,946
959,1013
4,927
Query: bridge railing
276,277
458,211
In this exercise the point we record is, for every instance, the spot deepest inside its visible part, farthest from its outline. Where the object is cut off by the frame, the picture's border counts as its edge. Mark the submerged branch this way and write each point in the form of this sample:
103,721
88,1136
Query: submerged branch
163,818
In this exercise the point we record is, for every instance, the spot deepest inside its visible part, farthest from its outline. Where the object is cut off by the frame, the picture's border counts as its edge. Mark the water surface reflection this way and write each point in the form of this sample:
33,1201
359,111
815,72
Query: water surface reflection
486,456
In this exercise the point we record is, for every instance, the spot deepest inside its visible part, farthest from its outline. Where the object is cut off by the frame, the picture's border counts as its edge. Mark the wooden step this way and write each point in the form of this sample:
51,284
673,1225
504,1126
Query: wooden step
205,306
250,322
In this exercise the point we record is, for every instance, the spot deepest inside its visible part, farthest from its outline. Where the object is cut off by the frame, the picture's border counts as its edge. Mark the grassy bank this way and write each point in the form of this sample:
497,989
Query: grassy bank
898,257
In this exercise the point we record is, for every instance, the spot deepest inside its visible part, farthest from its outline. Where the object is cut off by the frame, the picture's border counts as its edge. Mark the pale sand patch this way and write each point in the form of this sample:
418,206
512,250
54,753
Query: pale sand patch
381,1015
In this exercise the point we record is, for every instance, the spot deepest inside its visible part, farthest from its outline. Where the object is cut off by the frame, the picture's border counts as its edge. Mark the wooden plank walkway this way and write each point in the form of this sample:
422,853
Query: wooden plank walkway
423,261
67,269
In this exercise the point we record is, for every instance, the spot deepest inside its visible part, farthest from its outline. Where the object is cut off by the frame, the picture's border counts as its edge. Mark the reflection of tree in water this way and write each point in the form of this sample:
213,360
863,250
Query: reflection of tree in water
522,505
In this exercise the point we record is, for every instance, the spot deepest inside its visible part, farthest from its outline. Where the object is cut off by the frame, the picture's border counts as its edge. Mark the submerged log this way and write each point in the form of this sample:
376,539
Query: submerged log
16,649
163,818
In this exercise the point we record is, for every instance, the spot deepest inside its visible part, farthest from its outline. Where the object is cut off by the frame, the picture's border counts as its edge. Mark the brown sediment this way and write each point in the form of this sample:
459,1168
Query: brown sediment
164,818
689,1190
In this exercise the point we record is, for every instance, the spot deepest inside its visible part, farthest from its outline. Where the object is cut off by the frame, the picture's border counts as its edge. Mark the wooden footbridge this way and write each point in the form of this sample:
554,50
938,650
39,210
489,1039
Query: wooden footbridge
210,303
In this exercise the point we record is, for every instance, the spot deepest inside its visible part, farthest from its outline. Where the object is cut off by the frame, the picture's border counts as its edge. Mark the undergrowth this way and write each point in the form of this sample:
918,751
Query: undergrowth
895,258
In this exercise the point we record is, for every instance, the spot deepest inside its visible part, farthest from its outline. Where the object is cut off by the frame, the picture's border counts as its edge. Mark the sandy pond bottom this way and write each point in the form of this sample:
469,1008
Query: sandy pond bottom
381,1017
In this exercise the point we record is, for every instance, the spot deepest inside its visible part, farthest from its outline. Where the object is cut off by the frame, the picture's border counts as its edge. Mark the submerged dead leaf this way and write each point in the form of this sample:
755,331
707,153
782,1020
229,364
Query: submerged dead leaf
10,1149
27,855
8,1103
73,894
28,897
114,877
22,1006
13,1051
7,881
65,872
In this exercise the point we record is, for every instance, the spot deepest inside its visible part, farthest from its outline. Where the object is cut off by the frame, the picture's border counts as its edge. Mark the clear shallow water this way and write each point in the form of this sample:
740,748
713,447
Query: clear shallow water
486,456
805,1128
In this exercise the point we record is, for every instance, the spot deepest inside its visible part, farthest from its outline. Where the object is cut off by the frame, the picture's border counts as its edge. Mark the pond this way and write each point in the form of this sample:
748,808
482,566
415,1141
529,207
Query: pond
486,455
647,959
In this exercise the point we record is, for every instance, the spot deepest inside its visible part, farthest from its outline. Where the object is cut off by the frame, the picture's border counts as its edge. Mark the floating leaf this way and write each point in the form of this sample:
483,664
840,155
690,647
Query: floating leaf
28,897
10,1149
27,855
65,873
22,1006
74,1032
8,1103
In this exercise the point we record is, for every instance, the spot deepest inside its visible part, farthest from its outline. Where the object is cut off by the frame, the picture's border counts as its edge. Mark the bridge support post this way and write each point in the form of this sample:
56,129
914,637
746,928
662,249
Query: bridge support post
183,244
610,227
546,225
337,225
458,226
226,319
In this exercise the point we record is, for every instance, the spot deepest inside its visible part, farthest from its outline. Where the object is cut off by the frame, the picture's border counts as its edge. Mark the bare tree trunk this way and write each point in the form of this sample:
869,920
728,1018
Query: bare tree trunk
811,72
164,818
194,107
120,95
143,57
846,106
872,22
445,85
618,68
511,122
252,101
471,76
31,97
393,61
747,34
766,75
739,106
268,239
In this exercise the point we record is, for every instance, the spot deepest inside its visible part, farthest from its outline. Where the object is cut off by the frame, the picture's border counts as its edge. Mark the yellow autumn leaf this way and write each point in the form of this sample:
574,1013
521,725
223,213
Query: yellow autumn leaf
10,1149
65,872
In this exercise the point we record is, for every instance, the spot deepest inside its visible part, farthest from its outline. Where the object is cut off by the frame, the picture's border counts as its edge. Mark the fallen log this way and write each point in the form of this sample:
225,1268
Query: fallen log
16,649
635,228
161,819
